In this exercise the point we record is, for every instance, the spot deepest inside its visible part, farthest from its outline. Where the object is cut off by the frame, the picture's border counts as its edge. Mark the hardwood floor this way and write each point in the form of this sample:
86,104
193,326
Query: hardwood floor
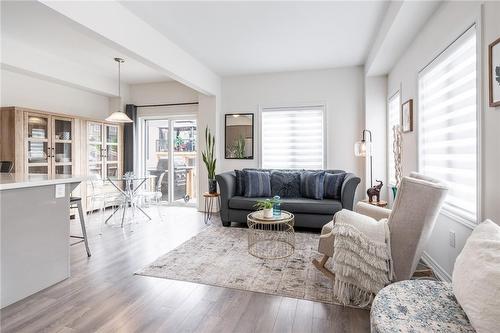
104,295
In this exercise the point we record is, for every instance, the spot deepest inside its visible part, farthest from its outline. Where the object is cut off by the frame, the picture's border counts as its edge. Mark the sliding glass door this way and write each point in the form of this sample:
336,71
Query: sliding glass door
169,147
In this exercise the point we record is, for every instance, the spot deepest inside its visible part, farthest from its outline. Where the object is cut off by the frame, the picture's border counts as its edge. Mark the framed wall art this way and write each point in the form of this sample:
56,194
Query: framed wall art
407,116
494,73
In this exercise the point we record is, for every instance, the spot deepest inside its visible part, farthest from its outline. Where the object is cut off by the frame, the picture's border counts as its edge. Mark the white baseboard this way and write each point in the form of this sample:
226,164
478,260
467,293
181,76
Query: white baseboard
438,270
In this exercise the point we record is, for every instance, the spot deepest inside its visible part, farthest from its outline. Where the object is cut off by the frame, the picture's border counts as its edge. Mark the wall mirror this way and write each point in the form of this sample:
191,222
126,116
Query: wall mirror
239,136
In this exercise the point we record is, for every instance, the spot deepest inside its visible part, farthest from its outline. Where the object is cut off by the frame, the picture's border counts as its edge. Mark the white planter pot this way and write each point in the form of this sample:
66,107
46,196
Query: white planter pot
268,213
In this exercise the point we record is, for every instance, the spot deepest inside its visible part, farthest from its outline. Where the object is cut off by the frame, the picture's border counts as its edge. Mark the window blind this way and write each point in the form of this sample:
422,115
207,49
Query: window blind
393,118
292,138
448,124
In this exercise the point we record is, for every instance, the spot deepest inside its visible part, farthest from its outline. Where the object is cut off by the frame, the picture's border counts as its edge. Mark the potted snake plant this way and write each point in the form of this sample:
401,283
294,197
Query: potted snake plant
209,160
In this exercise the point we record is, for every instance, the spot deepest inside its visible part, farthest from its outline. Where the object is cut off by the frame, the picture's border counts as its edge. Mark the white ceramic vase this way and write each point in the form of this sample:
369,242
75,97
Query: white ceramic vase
268,213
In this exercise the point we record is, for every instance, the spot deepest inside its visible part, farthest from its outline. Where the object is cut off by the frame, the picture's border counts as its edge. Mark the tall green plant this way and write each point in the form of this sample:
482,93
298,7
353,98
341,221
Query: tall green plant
208,154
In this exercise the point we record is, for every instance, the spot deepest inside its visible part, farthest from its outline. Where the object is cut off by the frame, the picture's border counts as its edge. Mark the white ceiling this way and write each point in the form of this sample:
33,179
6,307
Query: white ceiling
235,38
39,27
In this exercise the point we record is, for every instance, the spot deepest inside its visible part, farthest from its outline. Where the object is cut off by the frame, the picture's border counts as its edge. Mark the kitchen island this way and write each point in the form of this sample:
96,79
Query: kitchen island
34,222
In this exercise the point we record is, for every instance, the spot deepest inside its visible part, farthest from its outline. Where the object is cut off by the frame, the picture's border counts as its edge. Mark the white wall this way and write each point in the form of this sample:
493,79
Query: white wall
376,122
341,90
162,93
448,22
27,91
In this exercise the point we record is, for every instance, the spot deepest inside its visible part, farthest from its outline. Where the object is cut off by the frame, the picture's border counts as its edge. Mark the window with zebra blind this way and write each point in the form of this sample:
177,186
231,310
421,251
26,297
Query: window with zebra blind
293,138
448,122
393,118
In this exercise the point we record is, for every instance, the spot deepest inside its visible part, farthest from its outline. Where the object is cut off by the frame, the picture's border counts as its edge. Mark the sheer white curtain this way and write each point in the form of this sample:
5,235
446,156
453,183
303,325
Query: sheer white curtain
293,138
448,135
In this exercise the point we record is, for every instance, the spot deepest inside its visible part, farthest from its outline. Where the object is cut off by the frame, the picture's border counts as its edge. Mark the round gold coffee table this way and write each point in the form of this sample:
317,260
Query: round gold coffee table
271,238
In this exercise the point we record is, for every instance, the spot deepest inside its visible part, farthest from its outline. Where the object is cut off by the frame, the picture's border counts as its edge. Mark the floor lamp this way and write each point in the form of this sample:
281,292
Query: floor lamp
364,149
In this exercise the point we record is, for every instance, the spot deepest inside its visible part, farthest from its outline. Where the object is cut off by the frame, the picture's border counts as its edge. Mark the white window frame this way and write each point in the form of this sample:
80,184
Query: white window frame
390,155
293,106
446,212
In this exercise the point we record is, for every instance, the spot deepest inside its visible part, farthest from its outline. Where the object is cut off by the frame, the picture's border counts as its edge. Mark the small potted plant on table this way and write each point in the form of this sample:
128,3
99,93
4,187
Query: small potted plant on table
266,206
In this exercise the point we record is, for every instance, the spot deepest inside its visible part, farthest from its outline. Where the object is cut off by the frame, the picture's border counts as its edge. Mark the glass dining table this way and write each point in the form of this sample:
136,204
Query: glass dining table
128,187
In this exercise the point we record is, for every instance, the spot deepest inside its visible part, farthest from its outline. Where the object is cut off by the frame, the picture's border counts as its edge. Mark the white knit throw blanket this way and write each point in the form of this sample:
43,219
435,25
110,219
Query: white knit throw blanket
362,260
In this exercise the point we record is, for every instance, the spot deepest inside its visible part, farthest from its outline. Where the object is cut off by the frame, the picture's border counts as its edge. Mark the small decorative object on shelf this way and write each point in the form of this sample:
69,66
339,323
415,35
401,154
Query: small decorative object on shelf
276,206
374,191
398,153
266,206
210,161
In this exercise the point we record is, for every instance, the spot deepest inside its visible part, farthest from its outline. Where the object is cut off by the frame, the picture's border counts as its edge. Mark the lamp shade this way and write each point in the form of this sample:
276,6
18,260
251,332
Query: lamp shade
119,117
362,148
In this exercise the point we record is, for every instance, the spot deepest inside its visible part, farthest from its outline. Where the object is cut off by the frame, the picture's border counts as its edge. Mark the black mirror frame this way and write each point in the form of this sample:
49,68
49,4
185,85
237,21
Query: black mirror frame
225,136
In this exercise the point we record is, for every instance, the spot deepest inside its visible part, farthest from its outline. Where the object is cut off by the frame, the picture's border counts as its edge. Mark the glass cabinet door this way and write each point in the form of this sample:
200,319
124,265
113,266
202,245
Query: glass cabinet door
38,150
111,150
62,152
95,149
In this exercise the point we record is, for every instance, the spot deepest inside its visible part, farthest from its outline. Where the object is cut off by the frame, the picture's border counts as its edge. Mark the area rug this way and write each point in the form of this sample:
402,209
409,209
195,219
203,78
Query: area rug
219,256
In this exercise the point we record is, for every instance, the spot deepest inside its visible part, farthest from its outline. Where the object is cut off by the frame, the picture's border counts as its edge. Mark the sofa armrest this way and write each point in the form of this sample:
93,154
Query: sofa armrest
375,212
349,190
227,187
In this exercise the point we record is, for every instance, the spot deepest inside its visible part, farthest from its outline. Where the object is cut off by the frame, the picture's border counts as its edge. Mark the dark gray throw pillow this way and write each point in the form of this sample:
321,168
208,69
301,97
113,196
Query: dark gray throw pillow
333,185
240,182
311,184
257,183
285,184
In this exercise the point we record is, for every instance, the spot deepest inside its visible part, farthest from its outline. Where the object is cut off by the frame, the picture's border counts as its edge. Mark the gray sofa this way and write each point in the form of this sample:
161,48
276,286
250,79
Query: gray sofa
308,213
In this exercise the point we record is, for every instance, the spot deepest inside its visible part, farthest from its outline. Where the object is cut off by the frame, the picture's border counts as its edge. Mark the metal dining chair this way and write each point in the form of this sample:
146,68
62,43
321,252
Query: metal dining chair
6,166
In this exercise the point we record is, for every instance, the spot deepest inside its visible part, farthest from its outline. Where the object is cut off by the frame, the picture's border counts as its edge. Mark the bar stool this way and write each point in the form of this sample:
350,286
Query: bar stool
78,202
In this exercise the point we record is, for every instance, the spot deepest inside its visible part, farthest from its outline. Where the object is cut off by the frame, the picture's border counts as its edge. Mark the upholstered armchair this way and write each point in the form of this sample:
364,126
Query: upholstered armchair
411,221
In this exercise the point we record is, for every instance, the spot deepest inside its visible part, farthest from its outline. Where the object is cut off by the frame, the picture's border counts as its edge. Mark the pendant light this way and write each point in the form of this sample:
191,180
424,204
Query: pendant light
119,116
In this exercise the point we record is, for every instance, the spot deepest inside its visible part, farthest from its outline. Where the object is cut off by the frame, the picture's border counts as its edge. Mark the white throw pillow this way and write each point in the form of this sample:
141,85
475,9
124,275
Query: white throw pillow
476,277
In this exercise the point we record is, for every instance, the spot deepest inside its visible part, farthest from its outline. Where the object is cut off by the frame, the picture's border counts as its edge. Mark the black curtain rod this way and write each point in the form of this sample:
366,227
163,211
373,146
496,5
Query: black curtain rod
173,104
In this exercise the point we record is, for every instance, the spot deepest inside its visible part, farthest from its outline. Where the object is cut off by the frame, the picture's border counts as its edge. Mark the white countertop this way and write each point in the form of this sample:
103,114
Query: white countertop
10,181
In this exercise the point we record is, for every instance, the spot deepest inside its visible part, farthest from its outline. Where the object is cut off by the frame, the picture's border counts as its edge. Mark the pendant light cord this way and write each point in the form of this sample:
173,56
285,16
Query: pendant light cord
119,80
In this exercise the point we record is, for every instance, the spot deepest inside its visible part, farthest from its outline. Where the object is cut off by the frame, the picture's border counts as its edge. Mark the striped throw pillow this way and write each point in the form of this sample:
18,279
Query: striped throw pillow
311,184
333,185
240,182
257,184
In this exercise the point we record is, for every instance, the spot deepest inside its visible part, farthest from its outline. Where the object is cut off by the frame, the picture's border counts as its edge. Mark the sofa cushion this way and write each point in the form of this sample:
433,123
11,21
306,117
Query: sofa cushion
476,277
293,205
257,183
333,185
240,182
285,184
311,184
417,306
